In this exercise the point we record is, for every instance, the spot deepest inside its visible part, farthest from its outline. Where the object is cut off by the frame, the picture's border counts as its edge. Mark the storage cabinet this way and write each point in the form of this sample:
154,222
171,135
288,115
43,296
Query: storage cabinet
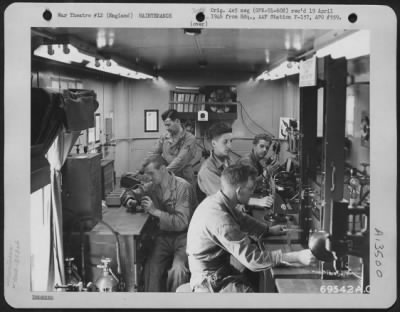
81,189
135,232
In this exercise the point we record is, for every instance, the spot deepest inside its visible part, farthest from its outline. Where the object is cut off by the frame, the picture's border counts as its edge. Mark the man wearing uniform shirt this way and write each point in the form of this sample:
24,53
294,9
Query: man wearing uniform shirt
257,158
177,147
172,201
209,176
218,230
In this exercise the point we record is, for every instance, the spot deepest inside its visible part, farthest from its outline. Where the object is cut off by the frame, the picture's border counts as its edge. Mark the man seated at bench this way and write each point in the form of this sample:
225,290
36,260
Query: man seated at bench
171,200
219,229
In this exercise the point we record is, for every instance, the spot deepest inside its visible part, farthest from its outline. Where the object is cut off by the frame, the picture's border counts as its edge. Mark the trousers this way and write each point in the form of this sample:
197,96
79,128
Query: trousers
227,279
167,266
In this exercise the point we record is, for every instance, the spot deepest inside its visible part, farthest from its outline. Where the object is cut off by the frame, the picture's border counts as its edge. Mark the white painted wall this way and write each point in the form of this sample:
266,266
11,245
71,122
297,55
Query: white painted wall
125,100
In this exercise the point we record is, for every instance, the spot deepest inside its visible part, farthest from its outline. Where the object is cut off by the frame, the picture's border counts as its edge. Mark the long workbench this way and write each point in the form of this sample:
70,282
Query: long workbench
303,279
297,278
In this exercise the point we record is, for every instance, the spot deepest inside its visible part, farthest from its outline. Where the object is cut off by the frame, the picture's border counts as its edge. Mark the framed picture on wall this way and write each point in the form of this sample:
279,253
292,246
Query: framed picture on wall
151,120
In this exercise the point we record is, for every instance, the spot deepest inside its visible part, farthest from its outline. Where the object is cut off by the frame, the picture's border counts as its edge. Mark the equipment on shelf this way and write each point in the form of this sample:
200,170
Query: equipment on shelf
202,115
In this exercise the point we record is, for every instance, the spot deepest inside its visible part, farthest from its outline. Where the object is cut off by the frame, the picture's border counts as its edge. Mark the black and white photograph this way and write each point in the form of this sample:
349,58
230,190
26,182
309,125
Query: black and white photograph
172,160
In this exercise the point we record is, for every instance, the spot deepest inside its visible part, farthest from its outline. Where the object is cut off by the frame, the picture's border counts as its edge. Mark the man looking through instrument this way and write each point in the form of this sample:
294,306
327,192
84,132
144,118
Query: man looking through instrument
172,201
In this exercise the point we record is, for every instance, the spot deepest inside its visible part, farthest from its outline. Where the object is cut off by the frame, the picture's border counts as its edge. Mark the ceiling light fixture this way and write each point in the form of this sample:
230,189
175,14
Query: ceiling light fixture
192,31
56,52
50,50
287,68
297,42
111,37
66,49
187,88
288,41
267,56
101,40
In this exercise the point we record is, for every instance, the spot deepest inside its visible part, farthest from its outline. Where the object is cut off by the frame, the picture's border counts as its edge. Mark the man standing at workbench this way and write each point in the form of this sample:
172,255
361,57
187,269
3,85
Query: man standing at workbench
177,147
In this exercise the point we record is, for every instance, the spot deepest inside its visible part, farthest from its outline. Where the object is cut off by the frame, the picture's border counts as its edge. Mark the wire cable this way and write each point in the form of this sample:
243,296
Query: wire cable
244,123
248,115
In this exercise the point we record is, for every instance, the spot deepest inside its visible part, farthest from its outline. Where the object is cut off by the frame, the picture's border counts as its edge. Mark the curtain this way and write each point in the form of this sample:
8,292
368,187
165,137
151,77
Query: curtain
52,114
56,156
47,118
40,238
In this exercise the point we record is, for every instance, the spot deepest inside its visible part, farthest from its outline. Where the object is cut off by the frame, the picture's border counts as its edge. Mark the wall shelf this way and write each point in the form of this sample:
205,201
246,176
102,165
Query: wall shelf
211,116
189,102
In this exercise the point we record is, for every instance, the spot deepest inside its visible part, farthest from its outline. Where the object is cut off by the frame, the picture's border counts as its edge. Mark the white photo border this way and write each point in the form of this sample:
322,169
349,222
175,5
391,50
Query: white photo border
381,21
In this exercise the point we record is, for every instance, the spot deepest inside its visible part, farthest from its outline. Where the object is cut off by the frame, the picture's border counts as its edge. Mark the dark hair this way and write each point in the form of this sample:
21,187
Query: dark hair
238,174
171,114
157,160
262,136
218,129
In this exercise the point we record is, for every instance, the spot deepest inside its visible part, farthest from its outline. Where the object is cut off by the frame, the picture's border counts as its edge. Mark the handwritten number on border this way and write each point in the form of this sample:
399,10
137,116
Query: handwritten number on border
379,246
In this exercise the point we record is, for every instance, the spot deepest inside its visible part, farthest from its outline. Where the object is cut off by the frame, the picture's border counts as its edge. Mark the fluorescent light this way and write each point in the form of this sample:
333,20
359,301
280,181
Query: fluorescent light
286,68
74,55
58,53
354,45
116,69
187,88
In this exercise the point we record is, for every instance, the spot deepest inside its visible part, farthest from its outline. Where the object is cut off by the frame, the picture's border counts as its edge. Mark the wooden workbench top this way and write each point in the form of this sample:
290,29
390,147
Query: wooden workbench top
121,221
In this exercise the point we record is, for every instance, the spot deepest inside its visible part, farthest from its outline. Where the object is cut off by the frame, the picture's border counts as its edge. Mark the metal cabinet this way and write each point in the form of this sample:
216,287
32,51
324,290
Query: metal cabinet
81,189
135,233
323,156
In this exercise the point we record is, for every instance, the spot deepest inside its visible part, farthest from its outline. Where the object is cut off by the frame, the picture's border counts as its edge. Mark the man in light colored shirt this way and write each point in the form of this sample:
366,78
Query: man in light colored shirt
209,176
218,229
172,201
177,147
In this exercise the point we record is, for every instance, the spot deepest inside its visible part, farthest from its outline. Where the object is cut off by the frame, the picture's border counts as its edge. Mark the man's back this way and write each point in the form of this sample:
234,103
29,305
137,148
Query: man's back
217,231
203,247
